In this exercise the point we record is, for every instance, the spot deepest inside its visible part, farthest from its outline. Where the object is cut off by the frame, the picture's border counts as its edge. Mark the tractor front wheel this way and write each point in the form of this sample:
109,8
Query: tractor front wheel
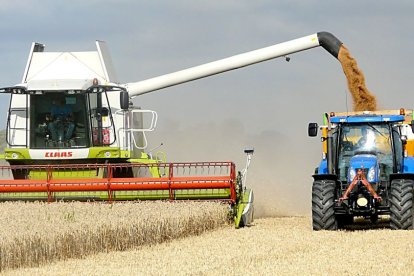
323,201
401,200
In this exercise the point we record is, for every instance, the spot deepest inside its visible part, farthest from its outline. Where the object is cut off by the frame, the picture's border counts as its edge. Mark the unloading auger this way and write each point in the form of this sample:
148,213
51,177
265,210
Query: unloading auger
95,149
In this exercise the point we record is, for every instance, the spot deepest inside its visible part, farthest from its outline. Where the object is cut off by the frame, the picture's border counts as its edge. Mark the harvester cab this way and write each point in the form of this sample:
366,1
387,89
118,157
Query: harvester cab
70,109
367,169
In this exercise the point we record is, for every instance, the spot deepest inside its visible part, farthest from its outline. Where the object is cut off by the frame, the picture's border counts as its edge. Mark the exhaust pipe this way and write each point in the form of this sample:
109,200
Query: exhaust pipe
329,146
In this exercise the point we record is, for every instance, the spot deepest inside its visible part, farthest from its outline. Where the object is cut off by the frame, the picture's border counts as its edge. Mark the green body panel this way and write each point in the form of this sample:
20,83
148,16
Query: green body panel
240,206
198,194
20,154
94,153
65,174
146,159
106,152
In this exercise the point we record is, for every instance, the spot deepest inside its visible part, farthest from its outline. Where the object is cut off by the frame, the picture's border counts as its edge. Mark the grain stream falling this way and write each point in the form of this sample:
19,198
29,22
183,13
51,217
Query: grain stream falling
363,99
33,234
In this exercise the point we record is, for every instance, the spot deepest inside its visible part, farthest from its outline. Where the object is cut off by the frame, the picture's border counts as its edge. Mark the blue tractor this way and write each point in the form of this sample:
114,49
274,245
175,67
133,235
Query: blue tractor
366,170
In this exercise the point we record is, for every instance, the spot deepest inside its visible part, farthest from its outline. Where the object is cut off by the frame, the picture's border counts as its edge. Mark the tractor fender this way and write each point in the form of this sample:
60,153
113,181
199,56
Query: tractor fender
323,167
408,166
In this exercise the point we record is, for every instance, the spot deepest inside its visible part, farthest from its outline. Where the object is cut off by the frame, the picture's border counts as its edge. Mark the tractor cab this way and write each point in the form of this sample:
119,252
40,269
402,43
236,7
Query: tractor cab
361,142
368,147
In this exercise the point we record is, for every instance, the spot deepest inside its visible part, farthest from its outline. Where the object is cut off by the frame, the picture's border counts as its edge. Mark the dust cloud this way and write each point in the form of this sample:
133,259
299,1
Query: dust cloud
280,171
283,163
363,99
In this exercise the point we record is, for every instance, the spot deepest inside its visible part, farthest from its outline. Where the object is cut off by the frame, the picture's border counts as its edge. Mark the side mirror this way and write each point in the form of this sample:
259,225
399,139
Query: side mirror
312,129
124,100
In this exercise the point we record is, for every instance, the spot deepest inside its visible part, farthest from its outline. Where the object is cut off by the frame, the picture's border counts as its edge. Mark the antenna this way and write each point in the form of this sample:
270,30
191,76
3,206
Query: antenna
346,102
249,152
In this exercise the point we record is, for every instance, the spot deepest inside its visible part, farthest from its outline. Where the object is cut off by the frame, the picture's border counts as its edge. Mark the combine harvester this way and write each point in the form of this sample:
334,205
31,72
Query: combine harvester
96,151
367,169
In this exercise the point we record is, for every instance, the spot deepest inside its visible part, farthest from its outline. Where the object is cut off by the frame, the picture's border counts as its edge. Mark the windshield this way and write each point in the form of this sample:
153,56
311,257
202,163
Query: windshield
372,139
58,120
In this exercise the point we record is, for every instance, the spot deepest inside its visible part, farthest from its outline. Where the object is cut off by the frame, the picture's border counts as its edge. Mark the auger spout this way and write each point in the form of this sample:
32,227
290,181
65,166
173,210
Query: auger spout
324,39
330,43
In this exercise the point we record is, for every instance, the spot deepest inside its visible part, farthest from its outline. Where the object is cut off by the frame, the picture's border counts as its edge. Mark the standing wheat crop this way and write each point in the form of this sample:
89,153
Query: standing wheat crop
38,233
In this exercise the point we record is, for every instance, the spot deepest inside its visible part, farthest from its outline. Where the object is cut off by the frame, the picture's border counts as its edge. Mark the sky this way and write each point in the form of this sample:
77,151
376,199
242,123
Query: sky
266,106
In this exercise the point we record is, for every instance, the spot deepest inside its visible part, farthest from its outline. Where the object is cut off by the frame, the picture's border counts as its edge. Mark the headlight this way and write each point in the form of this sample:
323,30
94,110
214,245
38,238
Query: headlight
352,174
362,201
371,174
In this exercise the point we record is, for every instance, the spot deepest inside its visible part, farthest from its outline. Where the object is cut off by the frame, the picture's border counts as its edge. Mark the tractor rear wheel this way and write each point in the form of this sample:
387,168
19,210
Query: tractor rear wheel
401,200
323,200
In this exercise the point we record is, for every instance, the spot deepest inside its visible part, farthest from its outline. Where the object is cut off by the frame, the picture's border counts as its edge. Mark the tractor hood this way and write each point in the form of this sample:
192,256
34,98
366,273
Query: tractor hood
363,161
367,162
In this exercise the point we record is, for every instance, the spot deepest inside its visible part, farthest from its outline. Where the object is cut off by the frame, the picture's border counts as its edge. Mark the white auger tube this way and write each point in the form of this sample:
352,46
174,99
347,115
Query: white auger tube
324,39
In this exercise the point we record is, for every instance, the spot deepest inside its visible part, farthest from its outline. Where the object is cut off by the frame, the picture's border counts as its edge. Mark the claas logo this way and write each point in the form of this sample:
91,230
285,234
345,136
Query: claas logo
58,154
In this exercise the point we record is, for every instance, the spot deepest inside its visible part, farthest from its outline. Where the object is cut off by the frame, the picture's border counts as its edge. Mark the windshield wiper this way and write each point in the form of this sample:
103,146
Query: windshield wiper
374,128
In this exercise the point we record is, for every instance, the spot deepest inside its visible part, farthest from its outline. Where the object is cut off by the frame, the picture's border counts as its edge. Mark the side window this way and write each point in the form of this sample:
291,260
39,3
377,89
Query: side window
17,127
344,150
397,147
103,131
39,116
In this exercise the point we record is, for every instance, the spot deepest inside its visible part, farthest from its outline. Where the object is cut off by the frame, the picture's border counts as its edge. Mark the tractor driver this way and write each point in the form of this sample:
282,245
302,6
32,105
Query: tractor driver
61,123
367,141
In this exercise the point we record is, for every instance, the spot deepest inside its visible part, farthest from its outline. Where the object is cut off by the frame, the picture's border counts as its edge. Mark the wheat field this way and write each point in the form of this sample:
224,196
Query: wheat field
272,246
33,234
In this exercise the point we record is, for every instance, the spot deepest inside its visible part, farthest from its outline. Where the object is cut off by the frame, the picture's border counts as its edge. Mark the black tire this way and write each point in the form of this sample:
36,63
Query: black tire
401,201
323,200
